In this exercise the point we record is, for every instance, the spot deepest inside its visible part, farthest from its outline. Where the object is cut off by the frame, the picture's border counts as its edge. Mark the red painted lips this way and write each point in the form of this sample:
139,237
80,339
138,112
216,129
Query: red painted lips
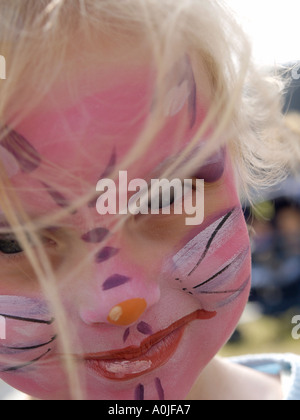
153,352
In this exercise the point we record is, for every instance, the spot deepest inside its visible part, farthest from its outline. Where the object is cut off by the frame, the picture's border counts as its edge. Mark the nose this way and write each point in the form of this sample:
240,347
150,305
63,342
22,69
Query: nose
119,300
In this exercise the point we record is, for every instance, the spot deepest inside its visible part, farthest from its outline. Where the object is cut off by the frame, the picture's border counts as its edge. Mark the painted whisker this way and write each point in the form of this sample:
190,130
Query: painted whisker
223,292
234,294
211,239
220,292
228,270
37,321
226,292
213,277
32,347
18,367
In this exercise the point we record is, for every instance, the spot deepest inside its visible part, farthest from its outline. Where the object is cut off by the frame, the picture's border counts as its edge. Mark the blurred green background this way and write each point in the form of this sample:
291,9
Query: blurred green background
263,334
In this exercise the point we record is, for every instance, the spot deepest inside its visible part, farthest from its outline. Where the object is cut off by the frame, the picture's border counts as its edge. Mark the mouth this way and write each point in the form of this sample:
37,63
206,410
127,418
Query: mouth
154,351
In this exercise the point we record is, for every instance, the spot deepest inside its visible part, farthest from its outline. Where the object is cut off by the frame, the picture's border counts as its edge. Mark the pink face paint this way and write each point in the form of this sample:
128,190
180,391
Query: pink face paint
29,333
214,266
27,359
208,242
182,279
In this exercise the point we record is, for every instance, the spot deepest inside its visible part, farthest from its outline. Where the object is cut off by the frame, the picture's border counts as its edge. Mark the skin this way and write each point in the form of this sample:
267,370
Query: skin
182,273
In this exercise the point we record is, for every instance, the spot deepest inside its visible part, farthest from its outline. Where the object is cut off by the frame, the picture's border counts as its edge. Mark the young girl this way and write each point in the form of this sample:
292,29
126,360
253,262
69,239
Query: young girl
130,305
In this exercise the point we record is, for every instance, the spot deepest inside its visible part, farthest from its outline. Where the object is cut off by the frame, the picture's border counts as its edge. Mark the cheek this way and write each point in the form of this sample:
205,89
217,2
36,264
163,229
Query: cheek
213,270
28,334
214,267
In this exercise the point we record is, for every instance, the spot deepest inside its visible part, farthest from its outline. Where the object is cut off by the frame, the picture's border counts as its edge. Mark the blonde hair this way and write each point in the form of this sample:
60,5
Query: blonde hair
37,39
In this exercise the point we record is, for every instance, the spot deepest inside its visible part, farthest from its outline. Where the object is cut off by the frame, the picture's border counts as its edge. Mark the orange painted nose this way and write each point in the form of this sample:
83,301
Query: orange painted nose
127,312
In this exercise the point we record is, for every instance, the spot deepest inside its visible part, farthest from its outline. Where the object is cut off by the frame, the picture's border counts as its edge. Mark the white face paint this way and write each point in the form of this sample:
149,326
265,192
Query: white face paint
23,307
213,267
208,242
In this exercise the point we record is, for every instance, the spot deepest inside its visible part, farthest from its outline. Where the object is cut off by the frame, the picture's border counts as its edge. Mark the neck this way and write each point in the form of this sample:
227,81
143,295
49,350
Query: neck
222,380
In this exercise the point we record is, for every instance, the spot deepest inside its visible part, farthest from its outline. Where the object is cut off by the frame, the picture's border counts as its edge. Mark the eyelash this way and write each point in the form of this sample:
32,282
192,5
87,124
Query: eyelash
172,198
13,257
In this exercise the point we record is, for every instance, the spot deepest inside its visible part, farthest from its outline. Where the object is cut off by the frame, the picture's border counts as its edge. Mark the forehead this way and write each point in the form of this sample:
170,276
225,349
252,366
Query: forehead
81,126
80,130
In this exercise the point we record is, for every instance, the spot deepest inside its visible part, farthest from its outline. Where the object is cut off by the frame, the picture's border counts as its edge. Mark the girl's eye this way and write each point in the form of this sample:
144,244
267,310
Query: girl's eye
9,245
163,200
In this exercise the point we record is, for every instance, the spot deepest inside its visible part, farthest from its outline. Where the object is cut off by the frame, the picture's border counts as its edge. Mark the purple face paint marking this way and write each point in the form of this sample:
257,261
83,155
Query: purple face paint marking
115,281
25,154
139,393
105,254
126,334
160,390
144,328
111,165
108,170
95,236
59,198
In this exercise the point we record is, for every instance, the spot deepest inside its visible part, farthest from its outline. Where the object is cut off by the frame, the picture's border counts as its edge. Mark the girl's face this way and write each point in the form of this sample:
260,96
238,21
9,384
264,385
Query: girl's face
156,300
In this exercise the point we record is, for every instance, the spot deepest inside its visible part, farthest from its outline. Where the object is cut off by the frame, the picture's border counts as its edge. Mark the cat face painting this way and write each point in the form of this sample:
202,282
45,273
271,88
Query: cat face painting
159,299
